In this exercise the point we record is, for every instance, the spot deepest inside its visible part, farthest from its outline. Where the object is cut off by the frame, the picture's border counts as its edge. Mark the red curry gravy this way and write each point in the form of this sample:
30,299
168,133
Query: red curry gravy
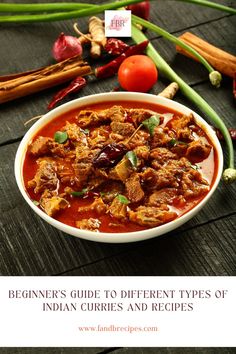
179,205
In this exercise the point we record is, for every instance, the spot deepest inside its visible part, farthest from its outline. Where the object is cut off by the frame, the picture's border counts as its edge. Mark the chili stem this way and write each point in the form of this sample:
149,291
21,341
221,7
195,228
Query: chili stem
216,75
192,95
95,9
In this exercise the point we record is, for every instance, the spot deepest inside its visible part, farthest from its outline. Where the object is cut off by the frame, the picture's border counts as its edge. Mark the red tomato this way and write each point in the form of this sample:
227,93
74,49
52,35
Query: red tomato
137,73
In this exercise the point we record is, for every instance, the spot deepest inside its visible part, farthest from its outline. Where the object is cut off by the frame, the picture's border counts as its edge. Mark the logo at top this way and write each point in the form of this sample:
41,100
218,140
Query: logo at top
118,23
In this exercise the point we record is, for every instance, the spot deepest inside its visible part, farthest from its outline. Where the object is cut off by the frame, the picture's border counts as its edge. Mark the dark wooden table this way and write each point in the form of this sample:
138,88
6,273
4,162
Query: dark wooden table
29,246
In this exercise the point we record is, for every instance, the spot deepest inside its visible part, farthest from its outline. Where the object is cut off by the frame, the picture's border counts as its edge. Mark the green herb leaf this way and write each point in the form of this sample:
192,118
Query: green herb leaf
102,194
132,157
195,167
60,137
174,142
85,131
80,193
122,199
35,202
151,123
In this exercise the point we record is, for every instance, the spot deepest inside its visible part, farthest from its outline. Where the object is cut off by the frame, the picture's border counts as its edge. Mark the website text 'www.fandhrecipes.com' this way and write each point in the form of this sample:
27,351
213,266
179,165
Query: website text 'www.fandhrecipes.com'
113,328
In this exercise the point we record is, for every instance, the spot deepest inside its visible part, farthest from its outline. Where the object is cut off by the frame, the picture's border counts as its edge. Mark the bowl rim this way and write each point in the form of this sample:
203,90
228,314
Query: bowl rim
117,237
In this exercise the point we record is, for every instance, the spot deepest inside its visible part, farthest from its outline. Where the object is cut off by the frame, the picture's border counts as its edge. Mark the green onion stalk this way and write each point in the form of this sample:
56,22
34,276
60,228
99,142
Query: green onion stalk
71,6
229,174
60,16
212,5
214,76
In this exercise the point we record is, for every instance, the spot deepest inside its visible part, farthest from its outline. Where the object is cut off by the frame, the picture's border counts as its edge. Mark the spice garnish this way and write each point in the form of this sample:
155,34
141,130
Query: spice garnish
110,155
60,137
173,142
85,131
195,167
151,123
75,86
132,157
115,46
80,193
122,199
112,67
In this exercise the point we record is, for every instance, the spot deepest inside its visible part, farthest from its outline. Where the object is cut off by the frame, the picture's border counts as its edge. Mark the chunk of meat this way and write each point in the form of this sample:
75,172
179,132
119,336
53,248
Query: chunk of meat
84,154
158,179
40,146
142,152
75,134
198,151
113,137
124,129
90,224
181,127
151,216
162,137
134,190
83,166
89,118
51,205
116,114
111,189
138,115
96,178
163,196
162,155
98,206
193,185
82,172
177,167
45,177
139,139
118,210
98,137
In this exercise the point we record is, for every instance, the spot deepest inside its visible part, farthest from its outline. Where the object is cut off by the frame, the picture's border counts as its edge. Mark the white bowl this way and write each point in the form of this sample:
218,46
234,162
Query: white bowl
106,97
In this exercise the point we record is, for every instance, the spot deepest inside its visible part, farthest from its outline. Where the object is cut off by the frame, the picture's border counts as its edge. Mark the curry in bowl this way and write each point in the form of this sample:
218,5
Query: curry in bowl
119,166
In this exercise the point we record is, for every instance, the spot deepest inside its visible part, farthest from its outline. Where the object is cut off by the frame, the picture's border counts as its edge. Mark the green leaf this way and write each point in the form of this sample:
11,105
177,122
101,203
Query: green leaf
122,199
132,157
80,193
174,142
35,202
85,131
151,123
60,137
195,167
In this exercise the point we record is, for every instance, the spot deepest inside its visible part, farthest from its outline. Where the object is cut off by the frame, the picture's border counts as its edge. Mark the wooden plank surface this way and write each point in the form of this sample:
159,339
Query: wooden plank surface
29,246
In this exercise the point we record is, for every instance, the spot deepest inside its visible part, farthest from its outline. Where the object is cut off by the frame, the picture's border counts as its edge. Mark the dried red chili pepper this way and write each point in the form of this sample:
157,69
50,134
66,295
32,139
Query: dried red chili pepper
75,86
110,155
111,68
232,133
115,46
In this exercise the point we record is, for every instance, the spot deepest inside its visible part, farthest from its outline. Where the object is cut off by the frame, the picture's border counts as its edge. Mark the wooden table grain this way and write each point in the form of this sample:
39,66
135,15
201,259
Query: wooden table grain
29,246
